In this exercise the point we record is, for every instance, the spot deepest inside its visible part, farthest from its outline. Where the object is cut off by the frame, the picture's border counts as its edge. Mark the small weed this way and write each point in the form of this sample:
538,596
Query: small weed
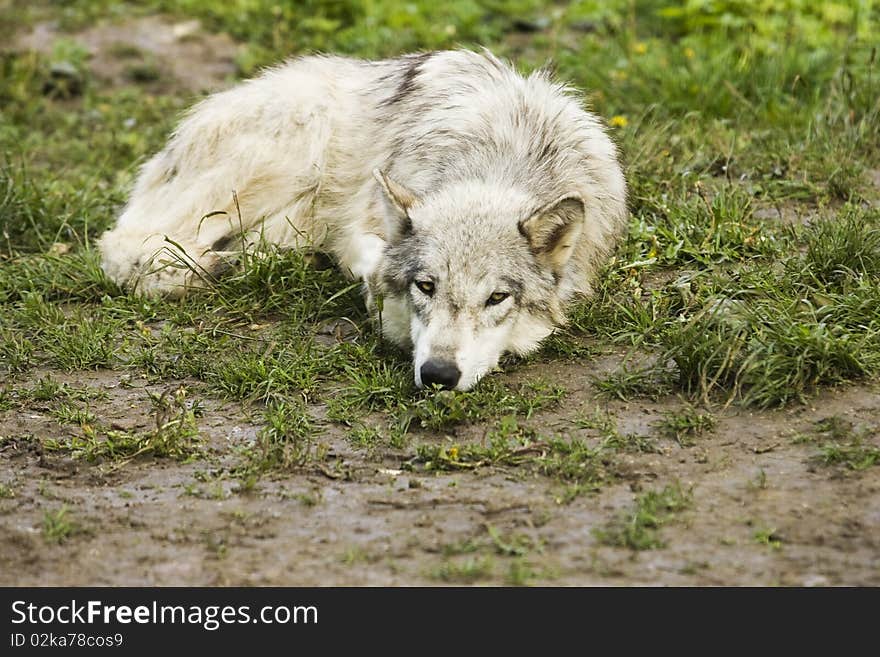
466,571
354,555
58,527
285,442
508,444
855,456
48,389
311,498
71,414
611,438
442,410
686,424
571,462
16,352
8,399
768,537
638,529
365,436
82,342
627,384
514,545
6,492
174,436
520,573
841,443
574,463
465,546
759,482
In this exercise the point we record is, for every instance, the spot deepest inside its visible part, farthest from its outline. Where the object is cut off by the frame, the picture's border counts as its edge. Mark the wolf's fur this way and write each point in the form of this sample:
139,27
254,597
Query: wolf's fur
444,169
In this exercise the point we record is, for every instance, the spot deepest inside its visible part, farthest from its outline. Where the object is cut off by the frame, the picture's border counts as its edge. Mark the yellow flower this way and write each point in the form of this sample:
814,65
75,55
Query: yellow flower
453,453
689,53
619,121
640,48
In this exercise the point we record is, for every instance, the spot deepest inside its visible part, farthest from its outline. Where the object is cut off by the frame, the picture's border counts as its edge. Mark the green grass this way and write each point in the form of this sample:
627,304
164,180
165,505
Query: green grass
686,424
611,438
58,526
71,414
284,442
766,332
843,444
464,571
625,384
576,465
638,529
512,545
768,537
47,389
174,435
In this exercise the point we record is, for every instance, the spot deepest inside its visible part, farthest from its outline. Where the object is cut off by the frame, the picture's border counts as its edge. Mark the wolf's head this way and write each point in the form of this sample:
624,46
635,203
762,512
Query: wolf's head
470,272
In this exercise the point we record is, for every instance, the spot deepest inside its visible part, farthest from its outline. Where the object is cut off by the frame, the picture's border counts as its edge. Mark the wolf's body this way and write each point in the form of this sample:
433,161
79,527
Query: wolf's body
440,179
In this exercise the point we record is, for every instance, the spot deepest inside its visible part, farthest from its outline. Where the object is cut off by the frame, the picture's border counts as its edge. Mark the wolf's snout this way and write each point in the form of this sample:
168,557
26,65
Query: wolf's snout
441,372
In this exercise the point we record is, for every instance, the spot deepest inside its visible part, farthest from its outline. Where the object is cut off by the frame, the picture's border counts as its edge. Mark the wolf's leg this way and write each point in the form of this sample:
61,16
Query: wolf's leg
159,265
182,215
163,243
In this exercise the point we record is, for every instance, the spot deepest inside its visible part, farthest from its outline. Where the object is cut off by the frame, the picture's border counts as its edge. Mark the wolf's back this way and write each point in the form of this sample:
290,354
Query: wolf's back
460,115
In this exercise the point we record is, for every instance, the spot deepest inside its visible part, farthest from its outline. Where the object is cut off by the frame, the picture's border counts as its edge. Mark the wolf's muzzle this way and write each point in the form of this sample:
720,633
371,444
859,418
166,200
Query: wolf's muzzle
440,372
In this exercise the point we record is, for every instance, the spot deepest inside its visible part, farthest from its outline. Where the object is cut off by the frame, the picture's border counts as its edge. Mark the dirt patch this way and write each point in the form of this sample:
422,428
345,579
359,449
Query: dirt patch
764,510
157,51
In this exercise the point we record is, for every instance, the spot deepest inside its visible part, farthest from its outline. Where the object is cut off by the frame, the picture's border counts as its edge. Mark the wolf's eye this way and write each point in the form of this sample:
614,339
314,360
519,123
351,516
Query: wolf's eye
496,297
426,287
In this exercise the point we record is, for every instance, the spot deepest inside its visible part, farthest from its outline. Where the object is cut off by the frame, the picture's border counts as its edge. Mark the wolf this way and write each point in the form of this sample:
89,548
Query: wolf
474,203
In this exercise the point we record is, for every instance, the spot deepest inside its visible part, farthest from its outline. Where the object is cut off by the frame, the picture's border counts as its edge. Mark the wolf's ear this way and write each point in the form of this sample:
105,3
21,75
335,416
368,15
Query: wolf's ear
553,230
398,201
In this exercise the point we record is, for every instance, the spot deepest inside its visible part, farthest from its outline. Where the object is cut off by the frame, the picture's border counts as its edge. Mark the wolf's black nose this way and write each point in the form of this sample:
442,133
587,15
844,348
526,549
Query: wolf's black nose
440,371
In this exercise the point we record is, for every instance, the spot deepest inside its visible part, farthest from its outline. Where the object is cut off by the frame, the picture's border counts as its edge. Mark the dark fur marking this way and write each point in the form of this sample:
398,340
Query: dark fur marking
406,226
222,243
515,288
536,308
408,79
555,237
403,267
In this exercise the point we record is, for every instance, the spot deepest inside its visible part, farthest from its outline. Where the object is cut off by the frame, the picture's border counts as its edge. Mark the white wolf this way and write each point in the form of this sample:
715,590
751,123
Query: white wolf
473,201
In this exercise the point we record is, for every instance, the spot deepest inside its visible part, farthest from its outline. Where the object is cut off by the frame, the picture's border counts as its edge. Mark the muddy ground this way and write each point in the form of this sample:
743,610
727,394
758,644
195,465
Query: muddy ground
765,509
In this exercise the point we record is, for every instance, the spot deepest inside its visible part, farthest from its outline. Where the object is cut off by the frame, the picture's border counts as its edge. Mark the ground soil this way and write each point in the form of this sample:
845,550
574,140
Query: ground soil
155,521
162,54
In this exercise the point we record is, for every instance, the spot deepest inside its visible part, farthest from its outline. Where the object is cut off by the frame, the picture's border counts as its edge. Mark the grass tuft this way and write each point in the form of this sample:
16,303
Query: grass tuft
638,529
